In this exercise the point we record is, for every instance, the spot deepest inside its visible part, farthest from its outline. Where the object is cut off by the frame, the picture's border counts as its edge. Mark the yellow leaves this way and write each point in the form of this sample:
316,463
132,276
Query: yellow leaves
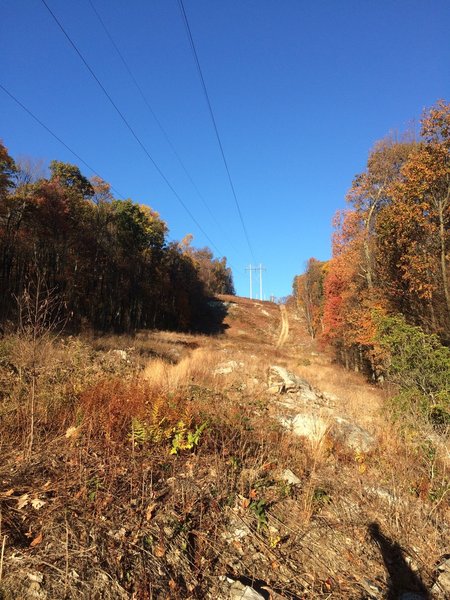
360,459
274,540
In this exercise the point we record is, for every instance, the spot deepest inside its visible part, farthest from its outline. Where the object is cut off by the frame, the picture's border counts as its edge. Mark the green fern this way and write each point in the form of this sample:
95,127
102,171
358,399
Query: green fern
143,432
184,438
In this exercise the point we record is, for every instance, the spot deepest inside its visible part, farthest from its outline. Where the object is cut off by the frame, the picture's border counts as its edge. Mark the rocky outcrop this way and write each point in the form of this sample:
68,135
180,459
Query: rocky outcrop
317,419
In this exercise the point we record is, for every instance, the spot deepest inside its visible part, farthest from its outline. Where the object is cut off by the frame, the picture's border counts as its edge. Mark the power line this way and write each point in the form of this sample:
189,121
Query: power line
152,112
52,133
129,127
205,91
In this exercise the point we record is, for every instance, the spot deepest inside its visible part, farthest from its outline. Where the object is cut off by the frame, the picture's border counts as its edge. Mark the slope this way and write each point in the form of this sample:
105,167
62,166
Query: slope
190,466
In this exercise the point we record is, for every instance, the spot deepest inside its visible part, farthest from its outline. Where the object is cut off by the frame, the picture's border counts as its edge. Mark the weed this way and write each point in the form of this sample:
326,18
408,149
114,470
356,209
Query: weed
259,509
321,497
184,438
94,485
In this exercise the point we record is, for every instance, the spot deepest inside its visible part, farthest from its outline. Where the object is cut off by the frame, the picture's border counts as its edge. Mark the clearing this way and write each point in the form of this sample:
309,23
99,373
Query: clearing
246,464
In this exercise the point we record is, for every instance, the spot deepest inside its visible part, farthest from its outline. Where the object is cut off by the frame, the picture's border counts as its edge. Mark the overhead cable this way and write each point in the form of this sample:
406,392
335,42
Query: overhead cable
154,115
129,127
205,91
52,133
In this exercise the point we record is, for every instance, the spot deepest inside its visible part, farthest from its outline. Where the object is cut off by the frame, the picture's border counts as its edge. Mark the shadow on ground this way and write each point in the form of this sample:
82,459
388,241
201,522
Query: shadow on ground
212,318
402,579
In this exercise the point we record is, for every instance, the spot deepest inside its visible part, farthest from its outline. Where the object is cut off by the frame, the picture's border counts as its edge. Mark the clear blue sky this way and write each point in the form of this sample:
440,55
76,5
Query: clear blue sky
300,89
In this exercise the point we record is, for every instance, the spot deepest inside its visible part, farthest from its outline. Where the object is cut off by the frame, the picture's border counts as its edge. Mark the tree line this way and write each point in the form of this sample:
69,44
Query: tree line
384,296
107,260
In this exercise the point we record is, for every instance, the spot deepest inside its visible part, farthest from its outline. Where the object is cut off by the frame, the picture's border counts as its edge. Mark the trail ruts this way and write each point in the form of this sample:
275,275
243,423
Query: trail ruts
284,327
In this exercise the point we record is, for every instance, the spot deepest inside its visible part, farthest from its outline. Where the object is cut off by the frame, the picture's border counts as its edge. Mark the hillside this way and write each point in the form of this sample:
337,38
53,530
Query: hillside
245,464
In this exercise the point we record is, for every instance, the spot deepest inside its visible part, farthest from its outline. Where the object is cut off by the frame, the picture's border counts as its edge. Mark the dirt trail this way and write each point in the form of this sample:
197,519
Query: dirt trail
284,333
252,328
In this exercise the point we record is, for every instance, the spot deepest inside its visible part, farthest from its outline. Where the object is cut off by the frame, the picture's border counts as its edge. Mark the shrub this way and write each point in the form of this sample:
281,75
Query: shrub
420,365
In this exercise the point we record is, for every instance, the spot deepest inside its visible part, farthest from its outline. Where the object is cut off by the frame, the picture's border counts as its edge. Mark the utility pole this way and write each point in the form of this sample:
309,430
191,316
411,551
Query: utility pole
250,269
260,281
260,269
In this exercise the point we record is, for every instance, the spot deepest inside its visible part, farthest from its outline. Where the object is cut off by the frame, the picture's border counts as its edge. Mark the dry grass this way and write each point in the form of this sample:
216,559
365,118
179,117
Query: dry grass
107,511
351,389
198,366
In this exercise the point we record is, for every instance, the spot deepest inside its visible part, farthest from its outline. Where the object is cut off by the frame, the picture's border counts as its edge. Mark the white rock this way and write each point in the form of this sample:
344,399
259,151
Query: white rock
237,534
238,591
312,427
274,389
290,477
286,380
227,367
308,395
384,495
353,436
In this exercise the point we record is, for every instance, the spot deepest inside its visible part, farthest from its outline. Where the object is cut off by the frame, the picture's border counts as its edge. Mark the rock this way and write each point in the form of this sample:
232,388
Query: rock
227,367
235,590
351,435
274,389
290,477
239,591
285,380
441,589
384,495
307,395
312,427
35,592
331,398
445,566
237,534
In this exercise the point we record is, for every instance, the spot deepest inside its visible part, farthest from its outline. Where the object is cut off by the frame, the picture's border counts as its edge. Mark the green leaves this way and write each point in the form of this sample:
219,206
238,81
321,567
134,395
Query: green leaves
420,365
69,176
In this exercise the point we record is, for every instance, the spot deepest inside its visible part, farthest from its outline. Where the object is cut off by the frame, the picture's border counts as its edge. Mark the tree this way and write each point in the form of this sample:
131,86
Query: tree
371,190
309,294
70,177
28,170
213,272
7,171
